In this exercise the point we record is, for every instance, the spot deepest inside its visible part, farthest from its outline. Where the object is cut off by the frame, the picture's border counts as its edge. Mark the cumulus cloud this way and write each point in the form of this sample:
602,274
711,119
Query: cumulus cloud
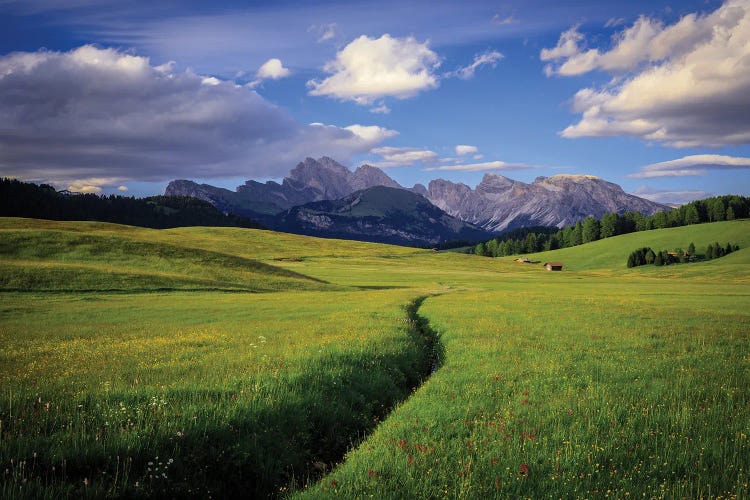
684,85
272,69
489,58
671,197
372,68
691,166
567,45
91,114
478,167
403,156
463,149
371,134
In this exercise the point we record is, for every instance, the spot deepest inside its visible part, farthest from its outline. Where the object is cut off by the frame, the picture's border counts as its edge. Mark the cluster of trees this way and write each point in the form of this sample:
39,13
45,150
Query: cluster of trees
21,199
719,208
522,240
646,256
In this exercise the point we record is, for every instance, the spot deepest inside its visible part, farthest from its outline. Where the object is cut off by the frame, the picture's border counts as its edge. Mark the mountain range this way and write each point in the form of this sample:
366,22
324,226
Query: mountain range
325,198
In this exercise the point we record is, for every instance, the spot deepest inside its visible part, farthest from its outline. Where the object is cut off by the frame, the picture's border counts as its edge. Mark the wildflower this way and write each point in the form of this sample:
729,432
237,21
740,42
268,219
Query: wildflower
523,470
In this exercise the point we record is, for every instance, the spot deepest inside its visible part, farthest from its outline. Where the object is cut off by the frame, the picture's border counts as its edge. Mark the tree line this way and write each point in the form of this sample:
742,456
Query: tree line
715,209
647,256
21,199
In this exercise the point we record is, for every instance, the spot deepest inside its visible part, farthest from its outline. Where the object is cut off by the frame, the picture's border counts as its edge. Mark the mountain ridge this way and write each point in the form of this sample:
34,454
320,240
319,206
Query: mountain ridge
496,204
380,214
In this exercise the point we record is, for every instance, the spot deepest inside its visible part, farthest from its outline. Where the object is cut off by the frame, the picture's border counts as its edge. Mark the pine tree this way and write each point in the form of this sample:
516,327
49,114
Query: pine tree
709,252
730,213
658,260
718,250
578,234
691,248
631,260
590,231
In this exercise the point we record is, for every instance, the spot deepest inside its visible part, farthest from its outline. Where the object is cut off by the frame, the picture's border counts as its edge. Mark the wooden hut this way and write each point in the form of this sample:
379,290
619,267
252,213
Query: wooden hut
553,266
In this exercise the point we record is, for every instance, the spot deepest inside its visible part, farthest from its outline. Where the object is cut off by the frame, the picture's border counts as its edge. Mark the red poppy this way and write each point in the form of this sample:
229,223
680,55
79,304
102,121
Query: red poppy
524,470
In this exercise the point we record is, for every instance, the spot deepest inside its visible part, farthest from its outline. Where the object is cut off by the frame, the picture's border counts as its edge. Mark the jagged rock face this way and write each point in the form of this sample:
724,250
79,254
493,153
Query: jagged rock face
367,176
380,214
311,180
499,203
496,204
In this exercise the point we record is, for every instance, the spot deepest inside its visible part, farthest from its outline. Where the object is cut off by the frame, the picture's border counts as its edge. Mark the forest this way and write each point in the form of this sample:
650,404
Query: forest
715,209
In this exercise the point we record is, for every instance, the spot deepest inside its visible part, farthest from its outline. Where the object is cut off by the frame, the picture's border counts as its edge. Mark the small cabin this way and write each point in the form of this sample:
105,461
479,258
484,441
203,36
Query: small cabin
553,266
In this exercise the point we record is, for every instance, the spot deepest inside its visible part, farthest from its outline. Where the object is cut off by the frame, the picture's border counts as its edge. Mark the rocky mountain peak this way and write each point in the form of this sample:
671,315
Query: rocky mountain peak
367,176
496,181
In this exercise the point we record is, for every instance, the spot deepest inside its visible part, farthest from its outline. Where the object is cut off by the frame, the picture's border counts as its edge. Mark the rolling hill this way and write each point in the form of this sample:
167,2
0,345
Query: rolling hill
612,253
143,363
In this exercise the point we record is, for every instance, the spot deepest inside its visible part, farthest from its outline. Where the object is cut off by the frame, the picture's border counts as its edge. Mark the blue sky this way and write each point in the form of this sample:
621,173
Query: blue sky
121,97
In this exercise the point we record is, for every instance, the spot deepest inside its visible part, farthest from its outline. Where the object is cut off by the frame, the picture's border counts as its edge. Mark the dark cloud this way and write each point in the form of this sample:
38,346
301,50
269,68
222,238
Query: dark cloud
103,113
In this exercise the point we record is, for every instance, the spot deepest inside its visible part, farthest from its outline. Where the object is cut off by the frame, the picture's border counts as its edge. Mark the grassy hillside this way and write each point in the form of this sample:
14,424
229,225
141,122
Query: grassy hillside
599,380
96,256
612,253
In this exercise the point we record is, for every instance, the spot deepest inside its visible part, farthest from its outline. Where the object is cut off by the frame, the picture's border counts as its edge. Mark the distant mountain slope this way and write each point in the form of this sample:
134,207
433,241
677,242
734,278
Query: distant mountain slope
380,214
311,180
499,203
496,204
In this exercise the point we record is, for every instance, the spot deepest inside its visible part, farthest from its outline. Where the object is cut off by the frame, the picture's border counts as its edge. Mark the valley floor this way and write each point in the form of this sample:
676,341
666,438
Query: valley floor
201,362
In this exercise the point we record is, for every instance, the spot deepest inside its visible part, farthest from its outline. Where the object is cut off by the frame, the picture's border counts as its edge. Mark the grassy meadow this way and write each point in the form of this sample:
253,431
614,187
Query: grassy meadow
215,362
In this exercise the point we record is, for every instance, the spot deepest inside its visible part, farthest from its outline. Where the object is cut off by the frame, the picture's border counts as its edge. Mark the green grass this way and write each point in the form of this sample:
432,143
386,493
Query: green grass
612,253
595,381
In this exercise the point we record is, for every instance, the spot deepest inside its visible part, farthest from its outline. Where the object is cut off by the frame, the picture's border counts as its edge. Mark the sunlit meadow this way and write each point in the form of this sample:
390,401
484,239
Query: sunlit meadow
204,362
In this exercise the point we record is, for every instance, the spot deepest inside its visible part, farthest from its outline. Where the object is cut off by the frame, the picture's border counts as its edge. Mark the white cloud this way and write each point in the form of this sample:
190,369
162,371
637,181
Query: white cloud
567,45
613,22
372,68
122,188
272,70
92,185
670,197
371,134
381,109
96,113
499,20
489,58
401,156
463,149
691,166
478,167
684,85
326,32
210,80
